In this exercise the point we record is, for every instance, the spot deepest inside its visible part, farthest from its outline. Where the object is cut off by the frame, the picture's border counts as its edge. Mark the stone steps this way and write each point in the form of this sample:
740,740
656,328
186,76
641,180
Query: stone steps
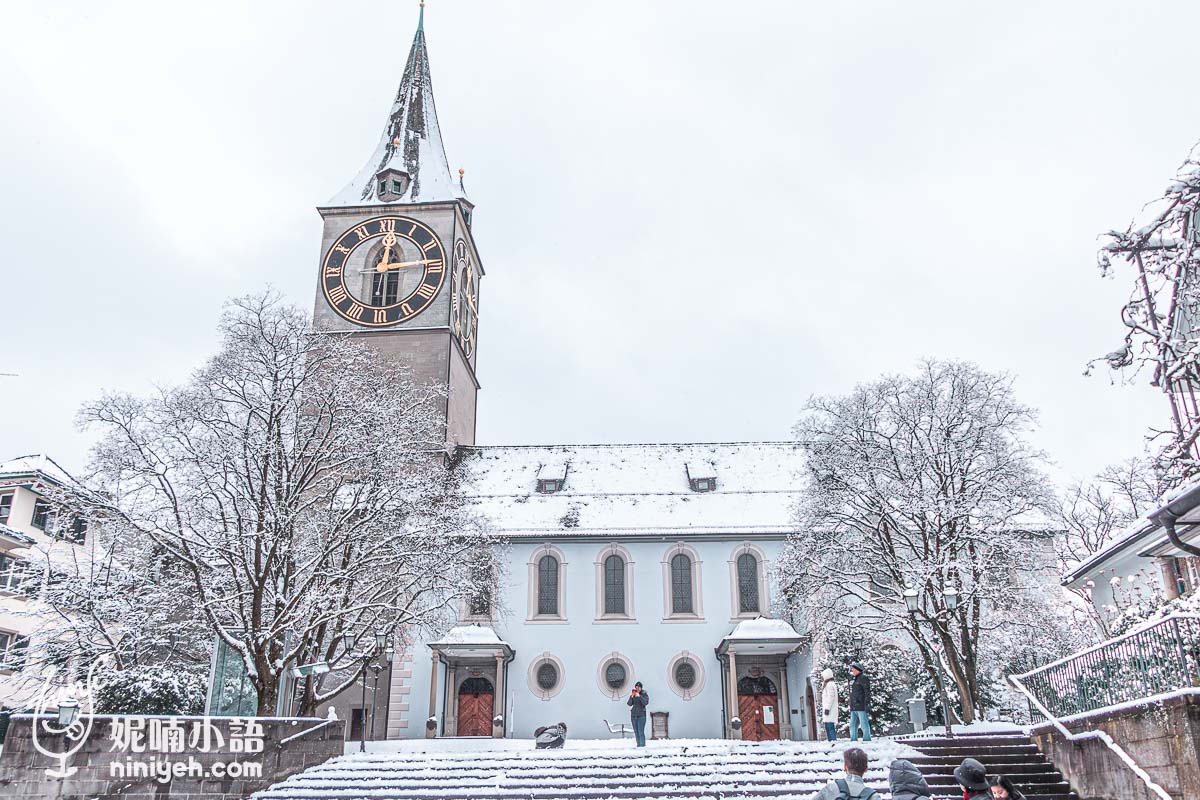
664,771
1013,755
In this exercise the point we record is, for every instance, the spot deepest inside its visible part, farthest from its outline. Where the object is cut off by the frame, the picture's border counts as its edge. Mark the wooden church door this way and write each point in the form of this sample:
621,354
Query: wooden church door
475,699
758,707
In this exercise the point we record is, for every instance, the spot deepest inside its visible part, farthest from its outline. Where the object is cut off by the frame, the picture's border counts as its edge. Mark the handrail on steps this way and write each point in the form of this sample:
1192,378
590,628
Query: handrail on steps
1017,682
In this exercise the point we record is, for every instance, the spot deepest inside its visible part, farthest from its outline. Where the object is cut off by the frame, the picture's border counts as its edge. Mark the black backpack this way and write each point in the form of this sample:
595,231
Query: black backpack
867,792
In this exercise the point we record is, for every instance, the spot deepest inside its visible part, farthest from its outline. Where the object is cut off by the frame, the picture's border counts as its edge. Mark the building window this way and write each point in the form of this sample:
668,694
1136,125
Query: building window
685,675
77,532
681,585
614,585
546,676
385,287
615,675
12,574
397,187
41,514
12,651
6,501
747,579
549,486
552,477
547,600
479,602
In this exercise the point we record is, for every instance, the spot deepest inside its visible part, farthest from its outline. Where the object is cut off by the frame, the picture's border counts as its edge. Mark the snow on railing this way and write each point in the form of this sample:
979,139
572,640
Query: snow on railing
1155,659
1159,657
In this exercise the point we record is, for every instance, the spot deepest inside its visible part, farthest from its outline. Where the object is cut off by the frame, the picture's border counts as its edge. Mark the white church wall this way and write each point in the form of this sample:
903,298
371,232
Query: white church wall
580,643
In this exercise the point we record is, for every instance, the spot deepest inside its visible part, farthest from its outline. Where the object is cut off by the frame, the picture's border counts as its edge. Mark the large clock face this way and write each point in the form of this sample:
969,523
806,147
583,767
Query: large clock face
464,306
383,271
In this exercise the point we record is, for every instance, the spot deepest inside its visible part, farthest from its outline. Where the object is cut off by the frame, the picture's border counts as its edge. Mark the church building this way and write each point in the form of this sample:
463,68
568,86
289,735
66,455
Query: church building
622,563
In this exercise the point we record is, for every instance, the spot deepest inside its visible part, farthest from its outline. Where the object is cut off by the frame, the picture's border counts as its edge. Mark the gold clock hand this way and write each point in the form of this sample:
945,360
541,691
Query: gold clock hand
384,266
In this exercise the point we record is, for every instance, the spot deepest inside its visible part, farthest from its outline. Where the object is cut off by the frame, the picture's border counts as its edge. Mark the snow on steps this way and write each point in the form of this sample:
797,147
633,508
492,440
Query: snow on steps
486,769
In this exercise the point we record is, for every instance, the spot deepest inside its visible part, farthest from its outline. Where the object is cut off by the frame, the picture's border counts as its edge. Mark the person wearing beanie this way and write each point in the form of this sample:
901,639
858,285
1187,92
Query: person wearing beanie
972,777
860,704
829,704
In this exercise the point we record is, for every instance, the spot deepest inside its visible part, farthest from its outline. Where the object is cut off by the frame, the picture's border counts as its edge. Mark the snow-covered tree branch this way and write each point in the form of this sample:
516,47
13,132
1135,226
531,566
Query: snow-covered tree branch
1162,317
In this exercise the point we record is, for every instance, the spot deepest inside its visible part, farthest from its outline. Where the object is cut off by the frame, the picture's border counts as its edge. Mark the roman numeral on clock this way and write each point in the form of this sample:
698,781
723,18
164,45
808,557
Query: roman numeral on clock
387,226
434,266
432,243
426,291
333,270
355,311
362,232
337,294
380,316
406,309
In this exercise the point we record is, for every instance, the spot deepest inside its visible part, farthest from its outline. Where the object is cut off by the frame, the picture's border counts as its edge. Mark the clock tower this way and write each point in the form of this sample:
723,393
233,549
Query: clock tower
398,262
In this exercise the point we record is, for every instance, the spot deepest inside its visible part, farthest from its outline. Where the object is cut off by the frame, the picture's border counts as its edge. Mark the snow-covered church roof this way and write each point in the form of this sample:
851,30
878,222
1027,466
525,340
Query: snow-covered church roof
411,142
637,489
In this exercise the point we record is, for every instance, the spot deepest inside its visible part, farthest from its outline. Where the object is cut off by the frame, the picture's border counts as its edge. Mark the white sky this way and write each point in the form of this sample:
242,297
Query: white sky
693,215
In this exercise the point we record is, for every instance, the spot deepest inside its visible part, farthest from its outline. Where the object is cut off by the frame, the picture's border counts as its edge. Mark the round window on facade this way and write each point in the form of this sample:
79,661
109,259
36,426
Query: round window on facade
615,675
547,676
685,675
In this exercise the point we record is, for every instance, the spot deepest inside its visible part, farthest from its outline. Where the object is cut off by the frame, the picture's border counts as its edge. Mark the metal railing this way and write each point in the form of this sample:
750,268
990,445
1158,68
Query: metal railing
1156,659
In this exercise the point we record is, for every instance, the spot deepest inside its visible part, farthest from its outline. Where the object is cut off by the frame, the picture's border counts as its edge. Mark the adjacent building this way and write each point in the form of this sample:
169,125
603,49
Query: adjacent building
32,531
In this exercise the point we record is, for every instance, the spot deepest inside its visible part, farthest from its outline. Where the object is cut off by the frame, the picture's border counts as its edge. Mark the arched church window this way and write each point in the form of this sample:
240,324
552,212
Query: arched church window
480,591
547,585
385,286
614,585
747,580
681,585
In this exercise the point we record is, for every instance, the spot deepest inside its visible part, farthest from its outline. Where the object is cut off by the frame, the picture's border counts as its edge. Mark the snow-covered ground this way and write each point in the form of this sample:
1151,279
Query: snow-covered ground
586,768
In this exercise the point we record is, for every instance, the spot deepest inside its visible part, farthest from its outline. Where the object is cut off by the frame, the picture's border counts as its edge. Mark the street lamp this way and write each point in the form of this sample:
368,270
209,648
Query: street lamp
68,712
912,601
377,660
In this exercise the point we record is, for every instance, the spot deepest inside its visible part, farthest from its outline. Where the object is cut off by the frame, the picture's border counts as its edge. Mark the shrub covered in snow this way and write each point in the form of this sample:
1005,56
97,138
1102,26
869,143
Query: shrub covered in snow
151,690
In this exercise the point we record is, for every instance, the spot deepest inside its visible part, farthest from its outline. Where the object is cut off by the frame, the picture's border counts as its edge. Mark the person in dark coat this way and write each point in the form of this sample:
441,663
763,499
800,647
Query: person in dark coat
1003,788
550,737
860,704
639,698
972,777
907,782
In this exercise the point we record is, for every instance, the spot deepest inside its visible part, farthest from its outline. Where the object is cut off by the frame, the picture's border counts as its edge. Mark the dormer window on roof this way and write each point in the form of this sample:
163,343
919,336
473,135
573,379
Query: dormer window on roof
702,477
551,478
393,183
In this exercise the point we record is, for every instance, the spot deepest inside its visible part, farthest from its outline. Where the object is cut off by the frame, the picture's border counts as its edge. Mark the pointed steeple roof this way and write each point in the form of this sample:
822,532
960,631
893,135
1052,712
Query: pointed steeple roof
411,143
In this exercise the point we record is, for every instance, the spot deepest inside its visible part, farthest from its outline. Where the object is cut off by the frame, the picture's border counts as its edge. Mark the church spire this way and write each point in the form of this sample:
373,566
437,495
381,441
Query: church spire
409,164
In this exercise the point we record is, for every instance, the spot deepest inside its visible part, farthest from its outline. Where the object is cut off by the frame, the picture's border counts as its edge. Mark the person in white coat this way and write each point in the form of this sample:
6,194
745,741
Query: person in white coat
829,704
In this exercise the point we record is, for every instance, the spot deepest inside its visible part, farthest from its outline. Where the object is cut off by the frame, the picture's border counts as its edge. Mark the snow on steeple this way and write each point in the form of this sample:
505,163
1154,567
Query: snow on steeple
409,164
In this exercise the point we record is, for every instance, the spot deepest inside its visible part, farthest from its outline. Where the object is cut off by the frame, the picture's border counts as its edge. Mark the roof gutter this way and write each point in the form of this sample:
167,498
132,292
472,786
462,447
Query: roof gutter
1169,514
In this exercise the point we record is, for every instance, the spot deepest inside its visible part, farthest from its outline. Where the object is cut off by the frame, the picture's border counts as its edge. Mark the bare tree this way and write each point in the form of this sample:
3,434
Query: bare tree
1162,317
1095,512
923,482
301,486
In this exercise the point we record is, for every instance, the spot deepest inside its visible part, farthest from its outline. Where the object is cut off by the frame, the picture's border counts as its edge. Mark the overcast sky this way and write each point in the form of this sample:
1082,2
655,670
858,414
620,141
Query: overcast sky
693,215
